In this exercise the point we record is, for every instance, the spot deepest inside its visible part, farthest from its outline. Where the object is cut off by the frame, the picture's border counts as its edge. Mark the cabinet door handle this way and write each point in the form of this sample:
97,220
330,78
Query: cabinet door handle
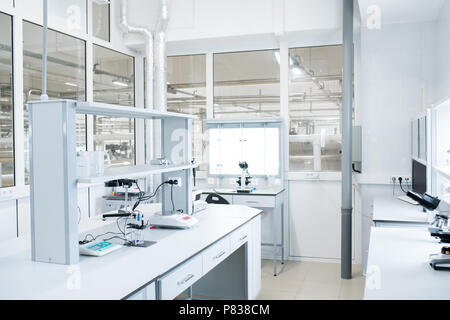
250,201
219,255
242,238
188,277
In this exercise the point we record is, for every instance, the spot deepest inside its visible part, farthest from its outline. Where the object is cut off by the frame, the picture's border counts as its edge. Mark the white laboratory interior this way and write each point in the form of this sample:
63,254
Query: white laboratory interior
224,150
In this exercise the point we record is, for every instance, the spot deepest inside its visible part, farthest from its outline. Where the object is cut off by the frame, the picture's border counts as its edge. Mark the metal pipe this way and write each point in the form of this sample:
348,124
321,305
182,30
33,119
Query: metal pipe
347,104
160,58
44,95
127,28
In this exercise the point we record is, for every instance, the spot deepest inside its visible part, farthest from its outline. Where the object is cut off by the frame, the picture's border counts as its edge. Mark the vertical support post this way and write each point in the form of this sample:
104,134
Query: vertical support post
347,106
44,95
177,147
53,182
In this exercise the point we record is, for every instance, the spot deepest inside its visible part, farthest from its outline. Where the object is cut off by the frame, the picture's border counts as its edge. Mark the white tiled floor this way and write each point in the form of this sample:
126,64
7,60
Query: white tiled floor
310,281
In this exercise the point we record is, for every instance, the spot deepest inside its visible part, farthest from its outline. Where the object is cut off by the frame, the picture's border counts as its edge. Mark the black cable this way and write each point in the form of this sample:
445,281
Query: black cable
115,237
148,197
171,197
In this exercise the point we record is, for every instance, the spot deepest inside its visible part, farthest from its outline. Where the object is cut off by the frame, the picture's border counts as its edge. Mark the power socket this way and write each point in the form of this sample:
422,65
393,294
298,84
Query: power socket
178,179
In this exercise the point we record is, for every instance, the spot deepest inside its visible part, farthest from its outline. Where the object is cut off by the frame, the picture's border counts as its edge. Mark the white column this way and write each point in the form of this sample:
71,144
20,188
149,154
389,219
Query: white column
209,85
19,149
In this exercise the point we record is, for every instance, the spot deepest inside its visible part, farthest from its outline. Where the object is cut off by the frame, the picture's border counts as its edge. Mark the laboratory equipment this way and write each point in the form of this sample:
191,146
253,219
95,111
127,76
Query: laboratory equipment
438,228
125,208
419,177
98,248
244,180
172,220
160,162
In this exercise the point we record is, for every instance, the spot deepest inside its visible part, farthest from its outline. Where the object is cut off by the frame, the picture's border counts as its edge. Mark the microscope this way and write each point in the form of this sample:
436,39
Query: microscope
439,227
244,180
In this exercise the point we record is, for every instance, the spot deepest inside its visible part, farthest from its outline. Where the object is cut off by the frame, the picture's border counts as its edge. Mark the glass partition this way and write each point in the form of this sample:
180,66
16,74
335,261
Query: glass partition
315,95
100,19
186,93
247,84
6,104
66,75
114,84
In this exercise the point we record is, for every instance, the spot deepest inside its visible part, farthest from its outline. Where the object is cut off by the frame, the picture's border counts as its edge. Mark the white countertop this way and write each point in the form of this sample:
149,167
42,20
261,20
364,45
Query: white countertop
398,268
391,209
119,273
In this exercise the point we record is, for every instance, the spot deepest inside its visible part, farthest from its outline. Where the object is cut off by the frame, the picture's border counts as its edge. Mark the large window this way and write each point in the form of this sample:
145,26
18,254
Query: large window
6,103
186,77
114,84
315,95
100,19
247,84
256,143
66,74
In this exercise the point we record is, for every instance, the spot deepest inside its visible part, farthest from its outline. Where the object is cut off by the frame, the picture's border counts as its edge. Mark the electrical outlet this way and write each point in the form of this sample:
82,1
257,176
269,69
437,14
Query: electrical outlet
179,181
393,179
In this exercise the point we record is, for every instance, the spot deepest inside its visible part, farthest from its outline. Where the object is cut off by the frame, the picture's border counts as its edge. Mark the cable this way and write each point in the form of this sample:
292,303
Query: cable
148,197
400,179
171,197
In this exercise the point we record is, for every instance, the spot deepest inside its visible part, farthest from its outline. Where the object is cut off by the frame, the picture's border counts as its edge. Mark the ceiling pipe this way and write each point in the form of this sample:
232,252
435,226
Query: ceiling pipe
127,28
161,58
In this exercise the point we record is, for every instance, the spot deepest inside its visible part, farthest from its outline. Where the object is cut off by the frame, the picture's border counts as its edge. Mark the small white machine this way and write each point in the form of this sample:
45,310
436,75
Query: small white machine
98,248
172,221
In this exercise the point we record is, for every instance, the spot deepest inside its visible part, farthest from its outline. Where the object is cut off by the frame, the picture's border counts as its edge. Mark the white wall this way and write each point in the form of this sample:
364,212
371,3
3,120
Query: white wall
396,84
442,71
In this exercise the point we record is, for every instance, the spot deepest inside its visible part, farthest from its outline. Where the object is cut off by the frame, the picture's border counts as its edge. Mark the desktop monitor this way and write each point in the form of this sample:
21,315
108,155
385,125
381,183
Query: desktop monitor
419,177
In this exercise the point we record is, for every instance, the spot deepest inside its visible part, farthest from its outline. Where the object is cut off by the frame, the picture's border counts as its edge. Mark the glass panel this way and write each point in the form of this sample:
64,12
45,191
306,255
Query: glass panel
6,103
258,146
68,13
247,84
186,93
415,138
423,138
315,94
66,75
114,84
100,19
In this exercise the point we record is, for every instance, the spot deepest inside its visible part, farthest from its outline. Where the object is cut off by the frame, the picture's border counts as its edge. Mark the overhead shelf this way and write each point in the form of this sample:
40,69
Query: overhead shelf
127,112
134,172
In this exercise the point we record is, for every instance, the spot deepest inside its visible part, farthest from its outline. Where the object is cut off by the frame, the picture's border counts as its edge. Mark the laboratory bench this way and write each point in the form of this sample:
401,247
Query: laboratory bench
398,266
271,201
392,212
220,257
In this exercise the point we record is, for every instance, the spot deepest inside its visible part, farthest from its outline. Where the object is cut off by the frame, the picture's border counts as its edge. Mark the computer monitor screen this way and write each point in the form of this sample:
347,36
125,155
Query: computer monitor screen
419,177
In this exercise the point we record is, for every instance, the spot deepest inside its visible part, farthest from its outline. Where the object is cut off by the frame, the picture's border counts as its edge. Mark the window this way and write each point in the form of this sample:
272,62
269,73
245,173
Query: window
247,84
256,143
315,95
68,13
6,103
100,19
114,84
66,74
186,93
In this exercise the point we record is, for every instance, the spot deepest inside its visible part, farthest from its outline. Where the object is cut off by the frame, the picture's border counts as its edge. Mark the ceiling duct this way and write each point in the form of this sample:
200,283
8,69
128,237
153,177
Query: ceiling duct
127,28
161,58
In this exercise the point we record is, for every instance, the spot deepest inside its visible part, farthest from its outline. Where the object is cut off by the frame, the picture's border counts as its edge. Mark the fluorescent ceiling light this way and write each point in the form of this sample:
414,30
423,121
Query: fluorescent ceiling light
71,84
120,83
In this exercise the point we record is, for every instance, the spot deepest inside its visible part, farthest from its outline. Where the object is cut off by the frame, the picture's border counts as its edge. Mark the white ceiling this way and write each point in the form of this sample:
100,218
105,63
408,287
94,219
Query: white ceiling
401,11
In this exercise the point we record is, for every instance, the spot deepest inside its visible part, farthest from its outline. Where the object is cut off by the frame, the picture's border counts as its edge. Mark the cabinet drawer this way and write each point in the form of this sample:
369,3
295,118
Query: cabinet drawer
178,280
240,236
216,254
255,201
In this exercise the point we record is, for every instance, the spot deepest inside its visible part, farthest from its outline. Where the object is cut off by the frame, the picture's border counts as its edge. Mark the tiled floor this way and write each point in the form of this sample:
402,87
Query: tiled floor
310,281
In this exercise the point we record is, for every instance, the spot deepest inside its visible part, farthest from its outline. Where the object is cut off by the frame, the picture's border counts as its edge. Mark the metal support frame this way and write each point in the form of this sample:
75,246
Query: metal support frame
347,106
